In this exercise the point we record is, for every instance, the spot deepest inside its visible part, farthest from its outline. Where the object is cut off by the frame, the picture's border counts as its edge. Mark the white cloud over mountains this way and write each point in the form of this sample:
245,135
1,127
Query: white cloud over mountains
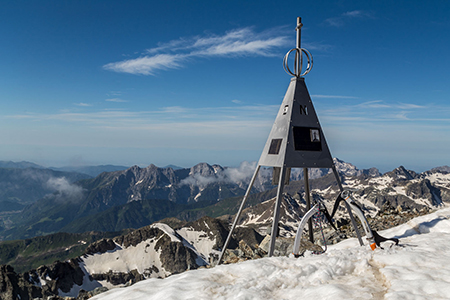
239,175
174,54
65,191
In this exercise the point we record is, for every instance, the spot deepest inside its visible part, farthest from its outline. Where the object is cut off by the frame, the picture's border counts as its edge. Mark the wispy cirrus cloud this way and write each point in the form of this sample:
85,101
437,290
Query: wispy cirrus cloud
410,106
383,104
83,104
147,65
340,21
333,97
163,115
174,54
117,100
374,104
388,112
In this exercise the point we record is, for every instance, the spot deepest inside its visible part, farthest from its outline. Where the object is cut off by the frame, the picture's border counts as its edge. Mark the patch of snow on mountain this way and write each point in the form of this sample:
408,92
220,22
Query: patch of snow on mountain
416,269
252,219
369,208
439,179
206,224
381,183
197,196
398,190
200,242
42,281
217,168
126,259
322,192
345,168
354,184
167,230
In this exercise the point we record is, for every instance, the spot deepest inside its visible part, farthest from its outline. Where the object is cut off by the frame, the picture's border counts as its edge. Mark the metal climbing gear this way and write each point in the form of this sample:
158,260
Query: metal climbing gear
317,220
373,238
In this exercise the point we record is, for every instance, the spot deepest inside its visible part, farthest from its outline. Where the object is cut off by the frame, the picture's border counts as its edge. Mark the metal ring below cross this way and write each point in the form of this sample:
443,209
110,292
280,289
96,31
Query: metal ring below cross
298,63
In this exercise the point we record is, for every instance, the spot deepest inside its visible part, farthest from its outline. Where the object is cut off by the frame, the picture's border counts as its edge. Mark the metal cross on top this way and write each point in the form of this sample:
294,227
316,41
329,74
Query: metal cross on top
295,141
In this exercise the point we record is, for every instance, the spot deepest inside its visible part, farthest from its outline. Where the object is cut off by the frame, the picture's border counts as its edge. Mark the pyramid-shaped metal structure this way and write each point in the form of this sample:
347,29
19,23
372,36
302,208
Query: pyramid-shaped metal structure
295,141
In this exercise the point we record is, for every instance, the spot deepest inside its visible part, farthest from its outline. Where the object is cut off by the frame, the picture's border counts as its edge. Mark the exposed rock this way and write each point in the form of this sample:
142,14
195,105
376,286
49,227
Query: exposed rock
401,173
16,286
248,235
213,228
175,257
84,295
139,235
116,278
173,223
60,276
443,169
100,246
260,216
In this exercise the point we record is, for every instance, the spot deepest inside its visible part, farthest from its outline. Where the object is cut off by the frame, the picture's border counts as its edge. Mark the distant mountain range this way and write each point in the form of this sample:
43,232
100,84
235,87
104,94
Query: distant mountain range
92,171
19,165
187,188
135,197
203,200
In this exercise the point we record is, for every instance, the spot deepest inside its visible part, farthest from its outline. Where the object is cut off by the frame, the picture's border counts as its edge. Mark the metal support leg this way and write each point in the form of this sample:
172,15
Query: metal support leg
276,212
349,210
308,204
238,215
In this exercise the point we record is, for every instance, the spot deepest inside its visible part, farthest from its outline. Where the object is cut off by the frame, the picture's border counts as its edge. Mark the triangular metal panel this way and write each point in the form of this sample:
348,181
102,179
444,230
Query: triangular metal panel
296,139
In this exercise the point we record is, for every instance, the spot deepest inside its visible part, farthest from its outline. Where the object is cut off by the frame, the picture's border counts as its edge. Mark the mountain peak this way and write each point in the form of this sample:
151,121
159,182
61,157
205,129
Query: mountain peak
401,173
203,169
442,169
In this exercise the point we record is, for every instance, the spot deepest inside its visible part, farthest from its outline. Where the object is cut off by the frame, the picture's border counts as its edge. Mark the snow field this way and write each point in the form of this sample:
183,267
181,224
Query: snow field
417,269
138,257
201,245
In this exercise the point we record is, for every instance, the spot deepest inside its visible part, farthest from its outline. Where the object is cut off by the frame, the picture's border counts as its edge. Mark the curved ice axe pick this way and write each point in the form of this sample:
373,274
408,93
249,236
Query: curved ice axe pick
318,208
300,228
371,235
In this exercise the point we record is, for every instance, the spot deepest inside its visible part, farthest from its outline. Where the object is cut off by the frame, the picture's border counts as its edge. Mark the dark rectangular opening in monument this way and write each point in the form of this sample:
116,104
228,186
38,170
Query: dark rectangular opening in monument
275,146
307,139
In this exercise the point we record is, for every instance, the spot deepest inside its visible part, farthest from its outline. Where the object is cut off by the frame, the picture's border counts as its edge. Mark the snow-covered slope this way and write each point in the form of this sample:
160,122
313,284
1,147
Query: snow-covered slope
145,257
152,251
417,269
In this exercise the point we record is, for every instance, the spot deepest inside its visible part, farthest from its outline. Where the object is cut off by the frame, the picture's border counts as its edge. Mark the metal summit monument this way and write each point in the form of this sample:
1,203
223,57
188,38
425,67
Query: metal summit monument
295,141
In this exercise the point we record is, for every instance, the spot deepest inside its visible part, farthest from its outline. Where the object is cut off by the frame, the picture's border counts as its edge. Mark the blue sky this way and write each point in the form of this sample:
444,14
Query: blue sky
183,82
